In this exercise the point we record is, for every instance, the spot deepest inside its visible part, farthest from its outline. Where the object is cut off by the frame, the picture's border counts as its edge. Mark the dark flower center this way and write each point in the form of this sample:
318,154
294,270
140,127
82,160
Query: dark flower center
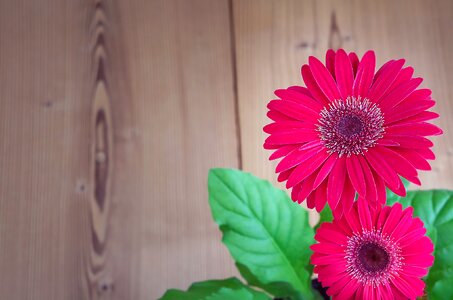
373,257
350,125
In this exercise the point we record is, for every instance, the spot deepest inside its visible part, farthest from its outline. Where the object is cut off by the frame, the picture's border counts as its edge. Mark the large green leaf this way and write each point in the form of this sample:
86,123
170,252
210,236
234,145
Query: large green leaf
266,233
435,209
226,289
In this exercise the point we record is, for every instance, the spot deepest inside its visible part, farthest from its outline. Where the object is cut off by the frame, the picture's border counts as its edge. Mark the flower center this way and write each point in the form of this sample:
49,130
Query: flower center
350,126
372,258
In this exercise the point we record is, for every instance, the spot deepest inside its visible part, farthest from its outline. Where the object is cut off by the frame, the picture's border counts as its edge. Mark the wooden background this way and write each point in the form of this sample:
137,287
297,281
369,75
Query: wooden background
113,111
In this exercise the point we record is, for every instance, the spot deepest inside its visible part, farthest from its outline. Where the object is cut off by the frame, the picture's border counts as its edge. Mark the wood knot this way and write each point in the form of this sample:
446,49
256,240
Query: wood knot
105,286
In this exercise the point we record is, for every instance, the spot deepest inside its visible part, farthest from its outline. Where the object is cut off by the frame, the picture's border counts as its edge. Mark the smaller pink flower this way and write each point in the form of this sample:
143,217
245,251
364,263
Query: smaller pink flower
373,254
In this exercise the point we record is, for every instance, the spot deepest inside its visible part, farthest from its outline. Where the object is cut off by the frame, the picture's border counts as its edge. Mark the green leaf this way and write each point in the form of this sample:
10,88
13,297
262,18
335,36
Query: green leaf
435,209
226,289
266,233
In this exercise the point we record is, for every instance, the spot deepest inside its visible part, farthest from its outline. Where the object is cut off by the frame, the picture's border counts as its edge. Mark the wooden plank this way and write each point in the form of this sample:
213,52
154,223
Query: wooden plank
274,38
113,112
45,134
182,122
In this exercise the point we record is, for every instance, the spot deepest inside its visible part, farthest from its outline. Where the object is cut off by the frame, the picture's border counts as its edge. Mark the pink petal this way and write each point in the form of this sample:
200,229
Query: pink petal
387,142
306,187
348,291
402,286
380,188
422,129
364,214
302,90
324,79
325,169
311,201
333,269
406,110
283,151
278,117
399,94
383,215
286,125
298,156
403,225
421,261
295,136
294,110
343,225
343,73
321,196
404,76
303,171
386,292
371,191
423,116
365,73
413,142
330,61
414,271
426,153
354,61
422,246
414,158
319,259
327,248
299,95
336,287
335,183
385,171
417,285
383,68
338,211
347,196
415,103
352,218
283,176
295,192
382,83
399,163
326,229
368,292
356,174
311,84
331,280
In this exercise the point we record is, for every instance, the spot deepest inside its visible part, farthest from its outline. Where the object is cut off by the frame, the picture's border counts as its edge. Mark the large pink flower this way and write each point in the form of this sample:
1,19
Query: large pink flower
373,254
351,130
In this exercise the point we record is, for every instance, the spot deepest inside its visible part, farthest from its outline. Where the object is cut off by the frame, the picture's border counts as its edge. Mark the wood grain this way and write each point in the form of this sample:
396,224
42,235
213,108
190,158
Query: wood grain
275,38
45,149
180,71
112,113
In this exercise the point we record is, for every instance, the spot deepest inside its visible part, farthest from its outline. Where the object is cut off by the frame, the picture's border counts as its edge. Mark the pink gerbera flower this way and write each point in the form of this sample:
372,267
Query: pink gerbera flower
351,130
373,254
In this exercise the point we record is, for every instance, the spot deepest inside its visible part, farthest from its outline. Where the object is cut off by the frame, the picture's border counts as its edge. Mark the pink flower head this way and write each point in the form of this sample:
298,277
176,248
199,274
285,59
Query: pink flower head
351,130
373,254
